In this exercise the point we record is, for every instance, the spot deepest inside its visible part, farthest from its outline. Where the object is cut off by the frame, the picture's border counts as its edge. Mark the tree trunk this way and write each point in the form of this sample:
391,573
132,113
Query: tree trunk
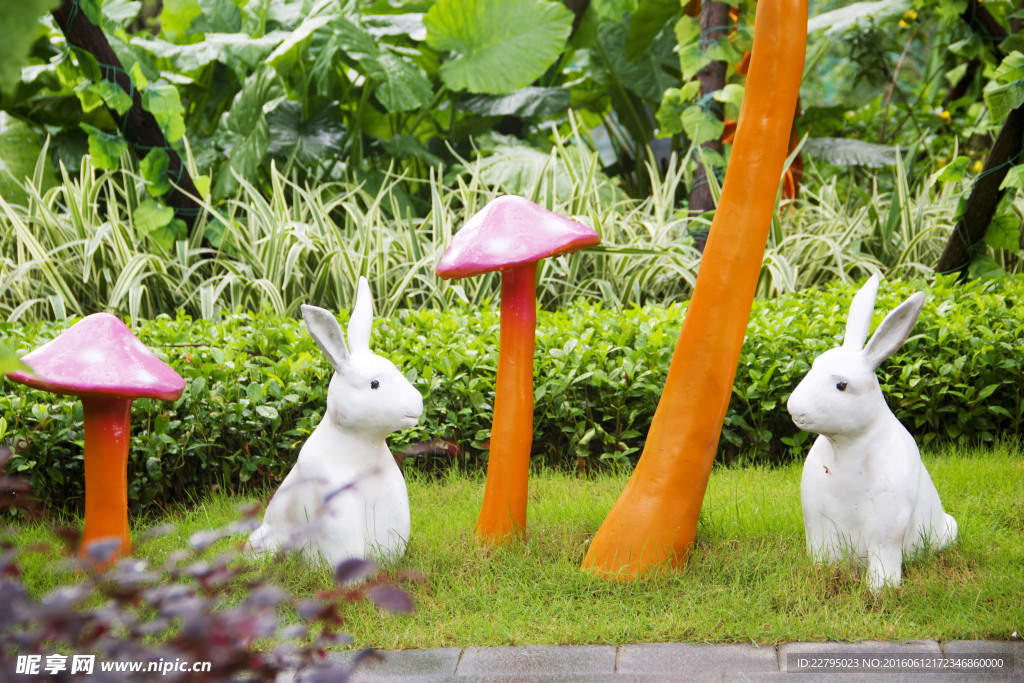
139,127
969,232
977,14
960,89
714,22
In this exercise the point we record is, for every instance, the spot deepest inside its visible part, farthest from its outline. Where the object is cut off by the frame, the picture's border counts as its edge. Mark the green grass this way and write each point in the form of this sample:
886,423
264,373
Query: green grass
747,580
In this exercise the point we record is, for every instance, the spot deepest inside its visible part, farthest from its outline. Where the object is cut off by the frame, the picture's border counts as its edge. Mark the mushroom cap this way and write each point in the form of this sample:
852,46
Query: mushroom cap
99,356
509,232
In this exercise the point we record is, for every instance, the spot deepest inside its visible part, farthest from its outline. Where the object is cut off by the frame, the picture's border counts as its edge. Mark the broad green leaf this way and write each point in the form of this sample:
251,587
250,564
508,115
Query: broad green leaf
1004,98
723,50
986,267
585,35
139,62
166,236
613,9
246,131
1005,92
398,85
409,147
176,17
673,103
691,58
651,74
856,14
954,76
19,152
1014,178
285,55
701,126
236,50
104,148
849,152
502,45
541,103
516,168
138,76
87,97
1004,232
670,113
165,106
647,22
267,411
88,64
112,96
151,215
9,361
950,11
19,26
120,11
952,172
154,169
158,223
218,16
732,97
309,142
202,183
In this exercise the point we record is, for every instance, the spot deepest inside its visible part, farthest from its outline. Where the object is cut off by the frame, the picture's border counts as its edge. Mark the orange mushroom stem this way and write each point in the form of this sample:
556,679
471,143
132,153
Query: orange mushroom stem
511,234
107,435
503,513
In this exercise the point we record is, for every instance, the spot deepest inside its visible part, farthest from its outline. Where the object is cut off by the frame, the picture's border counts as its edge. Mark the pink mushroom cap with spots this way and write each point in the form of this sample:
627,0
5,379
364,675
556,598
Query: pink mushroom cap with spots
99,356
511,231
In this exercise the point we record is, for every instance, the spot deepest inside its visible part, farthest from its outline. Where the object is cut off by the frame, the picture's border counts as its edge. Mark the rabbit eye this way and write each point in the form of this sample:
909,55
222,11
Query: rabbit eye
374,384
841,386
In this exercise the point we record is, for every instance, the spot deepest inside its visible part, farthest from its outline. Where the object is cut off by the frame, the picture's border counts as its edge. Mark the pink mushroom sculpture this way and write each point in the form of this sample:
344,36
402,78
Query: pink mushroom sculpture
101,361
511,234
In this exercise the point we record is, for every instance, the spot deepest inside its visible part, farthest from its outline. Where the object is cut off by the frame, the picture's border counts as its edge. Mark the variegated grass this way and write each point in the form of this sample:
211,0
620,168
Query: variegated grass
76,248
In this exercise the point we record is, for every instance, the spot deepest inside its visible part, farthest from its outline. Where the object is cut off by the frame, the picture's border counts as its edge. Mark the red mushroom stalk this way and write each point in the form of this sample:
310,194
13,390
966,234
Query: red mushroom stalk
100,360
511,235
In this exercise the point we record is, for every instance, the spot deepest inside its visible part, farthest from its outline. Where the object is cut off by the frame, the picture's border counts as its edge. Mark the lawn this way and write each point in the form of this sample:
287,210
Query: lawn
747,580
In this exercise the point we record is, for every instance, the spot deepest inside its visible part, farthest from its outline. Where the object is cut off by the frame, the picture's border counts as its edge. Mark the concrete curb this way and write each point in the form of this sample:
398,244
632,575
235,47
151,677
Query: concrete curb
921,660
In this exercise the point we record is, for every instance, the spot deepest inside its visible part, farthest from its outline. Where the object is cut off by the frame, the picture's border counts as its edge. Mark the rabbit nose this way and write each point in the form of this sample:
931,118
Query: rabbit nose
797,411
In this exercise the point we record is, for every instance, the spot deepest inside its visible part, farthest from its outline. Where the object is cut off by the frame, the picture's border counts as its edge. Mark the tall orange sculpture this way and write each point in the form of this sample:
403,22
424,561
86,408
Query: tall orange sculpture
654,521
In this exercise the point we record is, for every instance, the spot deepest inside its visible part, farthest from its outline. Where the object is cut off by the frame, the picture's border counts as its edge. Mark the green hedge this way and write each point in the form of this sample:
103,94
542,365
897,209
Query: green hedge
256,386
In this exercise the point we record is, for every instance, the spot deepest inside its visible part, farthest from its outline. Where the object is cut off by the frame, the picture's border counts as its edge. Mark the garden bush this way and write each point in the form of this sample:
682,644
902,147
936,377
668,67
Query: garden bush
256,387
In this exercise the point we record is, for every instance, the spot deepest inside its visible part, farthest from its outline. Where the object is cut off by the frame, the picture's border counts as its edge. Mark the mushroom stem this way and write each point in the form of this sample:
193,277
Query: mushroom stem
503,513
107,435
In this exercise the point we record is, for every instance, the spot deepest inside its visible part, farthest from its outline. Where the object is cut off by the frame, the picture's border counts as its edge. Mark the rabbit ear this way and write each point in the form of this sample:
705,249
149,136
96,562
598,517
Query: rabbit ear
893,330
326,331
858,322
362,318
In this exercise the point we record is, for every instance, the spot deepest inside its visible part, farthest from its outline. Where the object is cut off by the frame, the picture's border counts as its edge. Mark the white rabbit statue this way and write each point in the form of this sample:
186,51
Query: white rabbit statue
345,497
865,491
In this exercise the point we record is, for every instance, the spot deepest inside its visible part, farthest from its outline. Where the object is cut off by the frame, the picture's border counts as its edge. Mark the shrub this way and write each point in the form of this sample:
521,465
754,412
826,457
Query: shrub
256,387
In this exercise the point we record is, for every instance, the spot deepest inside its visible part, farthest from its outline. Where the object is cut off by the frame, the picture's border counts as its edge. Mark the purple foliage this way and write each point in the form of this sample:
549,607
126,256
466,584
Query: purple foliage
172,613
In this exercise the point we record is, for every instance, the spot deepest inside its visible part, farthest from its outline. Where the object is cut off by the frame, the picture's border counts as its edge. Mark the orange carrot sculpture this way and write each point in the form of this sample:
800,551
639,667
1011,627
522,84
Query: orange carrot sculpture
655,519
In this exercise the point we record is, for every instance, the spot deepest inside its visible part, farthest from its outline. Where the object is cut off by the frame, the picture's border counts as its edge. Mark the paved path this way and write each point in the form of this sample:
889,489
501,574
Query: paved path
681,662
